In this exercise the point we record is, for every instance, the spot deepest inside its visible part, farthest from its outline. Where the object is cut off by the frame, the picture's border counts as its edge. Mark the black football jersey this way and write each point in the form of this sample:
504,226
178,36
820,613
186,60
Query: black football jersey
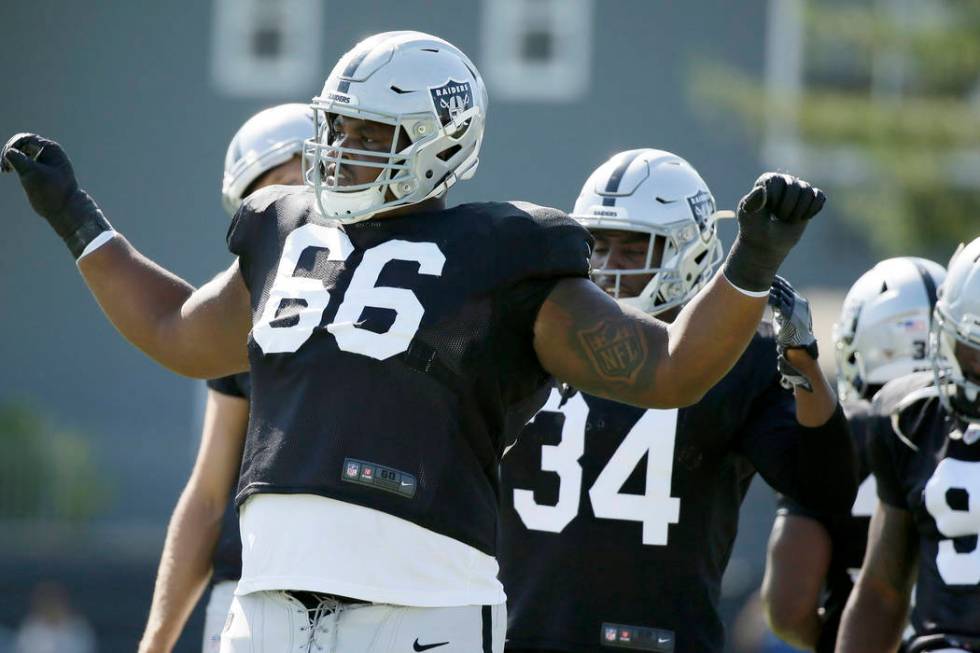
226,562
848,533
617,522
391,359
928,463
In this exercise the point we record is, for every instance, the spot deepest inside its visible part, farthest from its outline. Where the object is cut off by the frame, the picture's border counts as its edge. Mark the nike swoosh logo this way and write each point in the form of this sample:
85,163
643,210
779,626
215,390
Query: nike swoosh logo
426,647
662,641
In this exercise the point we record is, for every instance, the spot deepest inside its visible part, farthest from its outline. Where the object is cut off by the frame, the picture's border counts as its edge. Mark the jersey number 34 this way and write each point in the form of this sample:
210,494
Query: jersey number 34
311,297
652,436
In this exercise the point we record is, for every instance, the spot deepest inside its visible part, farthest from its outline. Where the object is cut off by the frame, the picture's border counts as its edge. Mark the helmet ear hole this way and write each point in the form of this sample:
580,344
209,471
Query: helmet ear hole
446,154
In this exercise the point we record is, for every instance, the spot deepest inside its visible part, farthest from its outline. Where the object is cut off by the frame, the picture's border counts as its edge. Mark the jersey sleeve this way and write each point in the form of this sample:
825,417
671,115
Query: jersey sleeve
228,385
815,466
895,407
537,247
540,242
786,505
885,466
243,232
887,456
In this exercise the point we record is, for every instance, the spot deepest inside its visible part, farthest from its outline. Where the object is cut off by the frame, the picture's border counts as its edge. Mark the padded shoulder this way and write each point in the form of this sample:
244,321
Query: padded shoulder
270,199
534,242
235,385
266,196
908,403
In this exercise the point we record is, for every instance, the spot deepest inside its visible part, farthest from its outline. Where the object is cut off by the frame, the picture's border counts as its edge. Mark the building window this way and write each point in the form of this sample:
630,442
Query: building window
537,50
266,48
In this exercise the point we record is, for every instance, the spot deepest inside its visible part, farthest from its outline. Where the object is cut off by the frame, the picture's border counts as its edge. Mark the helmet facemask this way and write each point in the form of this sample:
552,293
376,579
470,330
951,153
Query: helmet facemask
850,367
679,258
425,158
959,393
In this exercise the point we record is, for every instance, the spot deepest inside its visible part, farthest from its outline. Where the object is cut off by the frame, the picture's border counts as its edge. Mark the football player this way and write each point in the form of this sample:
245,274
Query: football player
926,459
617,521
395,345
813,558
203,535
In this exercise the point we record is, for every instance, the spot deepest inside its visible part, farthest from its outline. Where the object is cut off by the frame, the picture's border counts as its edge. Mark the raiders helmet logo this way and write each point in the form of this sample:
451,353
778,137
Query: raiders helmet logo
702,206
450,101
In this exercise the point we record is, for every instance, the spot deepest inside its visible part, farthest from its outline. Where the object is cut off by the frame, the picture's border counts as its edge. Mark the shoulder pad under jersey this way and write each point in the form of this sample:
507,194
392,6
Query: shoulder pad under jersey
907,402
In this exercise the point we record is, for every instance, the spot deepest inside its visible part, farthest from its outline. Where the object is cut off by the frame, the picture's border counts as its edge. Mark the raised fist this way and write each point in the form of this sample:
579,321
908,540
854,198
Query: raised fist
771,219
45,172
49,181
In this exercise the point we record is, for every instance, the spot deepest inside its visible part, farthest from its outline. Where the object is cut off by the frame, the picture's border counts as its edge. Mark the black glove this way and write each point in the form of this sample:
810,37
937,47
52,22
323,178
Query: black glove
793,323
771,219
49,181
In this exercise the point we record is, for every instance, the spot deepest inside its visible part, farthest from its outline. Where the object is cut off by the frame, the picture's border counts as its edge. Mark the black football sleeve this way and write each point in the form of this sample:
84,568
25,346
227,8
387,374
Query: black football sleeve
816,466
227,385
536,248
887,457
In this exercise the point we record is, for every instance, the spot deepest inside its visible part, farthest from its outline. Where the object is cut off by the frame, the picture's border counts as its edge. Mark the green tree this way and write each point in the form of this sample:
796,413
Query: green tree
894,87
46,472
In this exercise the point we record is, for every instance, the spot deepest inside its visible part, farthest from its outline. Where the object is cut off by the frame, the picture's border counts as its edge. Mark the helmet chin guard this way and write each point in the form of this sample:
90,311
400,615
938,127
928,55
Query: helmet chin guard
435,101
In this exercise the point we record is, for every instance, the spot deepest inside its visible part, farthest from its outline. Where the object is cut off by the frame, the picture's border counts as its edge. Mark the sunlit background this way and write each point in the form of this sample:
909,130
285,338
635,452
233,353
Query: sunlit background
877,101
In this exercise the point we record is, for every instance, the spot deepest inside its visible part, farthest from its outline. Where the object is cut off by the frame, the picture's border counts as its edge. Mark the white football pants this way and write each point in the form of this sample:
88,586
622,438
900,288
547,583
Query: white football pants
276,622
216,614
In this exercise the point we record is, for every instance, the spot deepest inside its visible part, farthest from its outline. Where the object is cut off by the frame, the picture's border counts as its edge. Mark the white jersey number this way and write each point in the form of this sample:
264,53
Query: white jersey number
653,436
956,477
867,498
362,292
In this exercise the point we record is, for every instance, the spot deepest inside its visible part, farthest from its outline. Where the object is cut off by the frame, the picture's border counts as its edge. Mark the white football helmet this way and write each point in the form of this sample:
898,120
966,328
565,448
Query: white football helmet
957,320
657,193
883,329
267,139
433,96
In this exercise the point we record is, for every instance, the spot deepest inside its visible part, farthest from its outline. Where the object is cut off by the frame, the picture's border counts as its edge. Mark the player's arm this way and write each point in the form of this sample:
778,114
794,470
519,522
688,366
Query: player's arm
586,339
797,351
185,564
877,609
796,566
197,333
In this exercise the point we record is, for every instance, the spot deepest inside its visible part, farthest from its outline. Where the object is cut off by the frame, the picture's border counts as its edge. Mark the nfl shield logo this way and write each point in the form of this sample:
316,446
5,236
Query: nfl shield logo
352,470
450,100
616,351
610,634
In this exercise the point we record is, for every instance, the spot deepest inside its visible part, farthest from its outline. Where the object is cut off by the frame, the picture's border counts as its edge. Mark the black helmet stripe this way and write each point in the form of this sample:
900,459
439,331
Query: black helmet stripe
617,176
928,282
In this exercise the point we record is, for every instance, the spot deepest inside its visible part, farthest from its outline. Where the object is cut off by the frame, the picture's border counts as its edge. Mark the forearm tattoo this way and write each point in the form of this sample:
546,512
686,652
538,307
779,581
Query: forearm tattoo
616,349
